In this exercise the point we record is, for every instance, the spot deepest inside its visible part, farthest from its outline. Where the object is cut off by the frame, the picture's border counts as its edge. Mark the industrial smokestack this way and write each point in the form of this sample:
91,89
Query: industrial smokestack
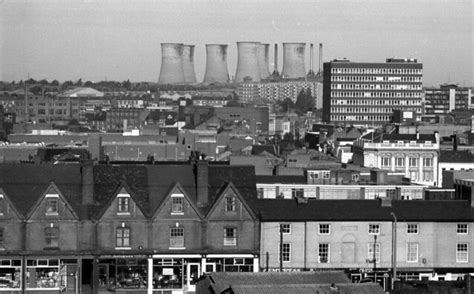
247,62
311,72
293,60
263,60
275,58
188,64
171,71
320,70
216,64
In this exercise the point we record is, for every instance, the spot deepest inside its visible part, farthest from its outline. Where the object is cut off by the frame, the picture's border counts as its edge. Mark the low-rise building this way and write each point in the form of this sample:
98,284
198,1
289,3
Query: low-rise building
369,238
415,155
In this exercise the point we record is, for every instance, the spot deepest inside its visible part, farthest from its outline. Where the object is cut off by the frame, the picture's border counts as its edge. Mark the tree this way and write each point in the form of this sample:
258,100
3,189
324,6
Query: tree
88,84
304,102
79,83
286,105
55,83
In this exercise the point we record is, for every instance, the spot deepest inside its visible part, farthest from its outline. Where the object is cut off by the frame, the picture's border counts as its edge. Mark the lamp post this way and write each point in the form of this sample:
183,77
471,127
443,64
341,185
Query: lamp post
394,249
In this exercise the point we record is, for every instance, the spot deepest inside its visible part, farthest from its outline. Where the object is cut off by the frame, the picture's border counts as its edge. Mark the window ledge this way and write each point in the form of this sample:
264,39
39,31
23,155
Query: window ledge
123,213
123,248
52,213
51,248
177,248
177,213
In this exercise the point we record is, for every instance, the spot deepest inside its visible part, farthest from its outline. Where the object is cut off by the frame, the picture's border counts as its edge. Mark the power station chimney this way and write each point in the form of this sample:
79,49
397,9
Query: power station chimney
216,64
275,58
293,60
188,64
263,60
311,65
247,62
171,71
320,70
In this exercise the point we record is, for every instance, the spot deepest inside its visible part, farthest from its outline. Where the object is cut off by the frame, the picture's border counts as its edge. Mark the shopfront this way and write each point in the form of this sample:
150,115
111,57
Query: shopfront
176,272
10,274
51,274
123,273
231,263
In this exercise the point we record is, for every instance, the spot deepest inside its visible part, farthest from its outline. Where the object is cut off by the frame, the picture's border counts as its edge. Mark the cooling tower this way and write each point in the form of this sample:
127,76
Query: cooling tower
171,71
263,61
247,62
188,64
216,64
293,60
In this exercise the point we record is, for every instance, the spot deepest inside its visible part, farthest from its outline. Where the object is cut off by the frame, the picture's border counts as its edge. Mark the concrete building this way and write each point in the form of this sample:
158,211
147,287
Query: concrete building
366,94
446,98
414,155
275,91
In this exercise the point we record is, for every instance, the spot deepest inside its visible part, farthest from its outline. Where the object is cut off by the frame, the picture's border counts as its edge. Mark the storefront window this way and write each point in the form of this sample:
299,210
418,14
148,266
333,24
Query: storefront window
10,274
123,273
42,273
167,274
232,264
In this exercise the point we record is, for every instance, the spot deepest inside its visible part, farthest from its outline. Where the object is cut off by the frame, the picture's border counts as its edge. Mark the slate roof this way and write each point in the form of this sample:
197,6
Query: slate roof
282,179
366,288
25,183
148,184
364,210
257,149
464,156
222,280
242,177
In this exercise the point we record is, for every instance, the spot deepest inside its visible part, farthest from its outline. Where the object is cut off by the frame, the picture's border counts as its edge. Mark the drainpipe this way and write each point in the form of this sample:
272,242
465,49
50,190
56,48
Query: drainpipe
394,249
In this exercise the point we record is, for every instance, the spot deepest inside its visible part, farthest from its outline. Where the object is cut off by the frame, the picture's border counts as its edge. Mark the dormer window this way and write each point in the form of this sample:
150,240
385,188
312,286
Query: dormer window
123,204
52,202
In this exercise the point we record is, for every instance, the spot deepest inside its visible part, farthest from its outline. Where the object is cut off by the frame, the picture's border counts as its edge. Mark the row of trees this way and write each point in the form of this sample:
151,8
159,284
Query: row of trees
55,85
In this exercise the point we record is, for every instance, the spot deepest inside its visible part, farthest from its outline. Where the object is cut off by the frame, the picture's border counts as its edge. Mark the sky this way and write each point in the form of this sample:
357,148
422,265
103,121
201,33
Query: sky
120,39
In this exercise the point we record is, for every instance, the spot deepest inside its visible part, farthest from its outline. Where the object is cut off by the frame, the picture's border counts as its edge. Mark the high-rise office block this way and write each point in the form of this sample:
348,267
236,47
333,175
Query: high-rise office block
366,94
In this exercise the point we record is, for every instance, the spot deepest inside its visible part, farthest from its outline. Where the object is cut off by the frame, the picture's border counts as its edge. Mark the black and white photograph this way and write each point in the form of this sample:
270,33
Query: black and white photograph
237,146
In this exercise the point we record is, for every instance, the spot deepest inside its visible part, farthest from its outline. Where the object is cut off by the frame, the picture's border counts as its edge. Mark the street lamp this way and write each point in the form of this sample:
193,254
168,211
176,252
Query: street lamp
394,249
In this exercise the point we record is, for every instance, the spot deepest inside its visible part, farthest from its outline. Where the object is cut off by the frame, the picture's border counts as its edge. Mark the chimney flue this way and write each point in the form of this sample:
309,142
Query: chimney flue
320,58
275,70
311,59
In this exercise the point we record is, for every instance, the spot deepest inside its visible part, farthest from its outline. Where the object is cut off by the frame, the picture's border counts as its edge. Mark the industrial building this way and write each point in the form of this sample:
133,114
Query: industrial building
366,94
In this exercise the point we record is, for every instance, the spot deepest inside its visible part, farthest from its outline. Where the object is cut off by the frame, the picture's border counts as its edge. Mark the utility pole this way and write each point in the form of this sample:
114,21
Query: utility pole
281,247
375,255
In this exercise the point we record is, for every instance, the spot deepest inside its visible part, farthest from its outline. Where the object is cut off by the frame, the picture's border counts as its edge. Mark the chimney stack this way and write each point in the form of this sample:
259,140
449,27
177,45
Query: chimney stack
201,169
320,57
87,173
311,72
275,58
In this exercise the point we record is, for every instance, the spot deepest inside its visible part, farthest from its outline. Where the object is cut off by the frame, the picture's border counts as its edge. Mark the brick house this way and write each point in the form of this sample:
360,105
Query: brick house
141,228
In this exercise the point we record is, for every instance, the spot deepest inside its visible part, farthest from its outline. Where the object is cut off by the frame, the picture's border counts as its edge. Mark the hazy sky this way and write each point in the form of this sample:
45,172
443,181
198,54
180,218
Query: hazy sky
118,40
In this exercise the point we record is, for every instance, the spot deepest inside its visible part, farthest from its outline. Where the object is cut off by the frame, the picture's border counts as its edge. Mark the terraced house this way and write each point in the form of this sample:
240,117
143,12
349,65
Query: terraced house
369,239
141,228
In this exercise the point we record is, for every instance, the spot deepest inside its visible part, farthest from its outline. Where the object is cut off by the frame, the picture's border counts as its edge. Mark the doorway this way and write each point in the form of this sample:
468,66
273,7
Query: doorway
193,271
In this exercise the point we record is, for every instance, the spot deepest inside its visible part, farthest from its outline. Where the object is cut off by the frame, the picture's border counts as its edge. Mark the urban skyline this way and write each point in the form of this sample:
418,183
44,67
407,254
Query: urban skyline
99,40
